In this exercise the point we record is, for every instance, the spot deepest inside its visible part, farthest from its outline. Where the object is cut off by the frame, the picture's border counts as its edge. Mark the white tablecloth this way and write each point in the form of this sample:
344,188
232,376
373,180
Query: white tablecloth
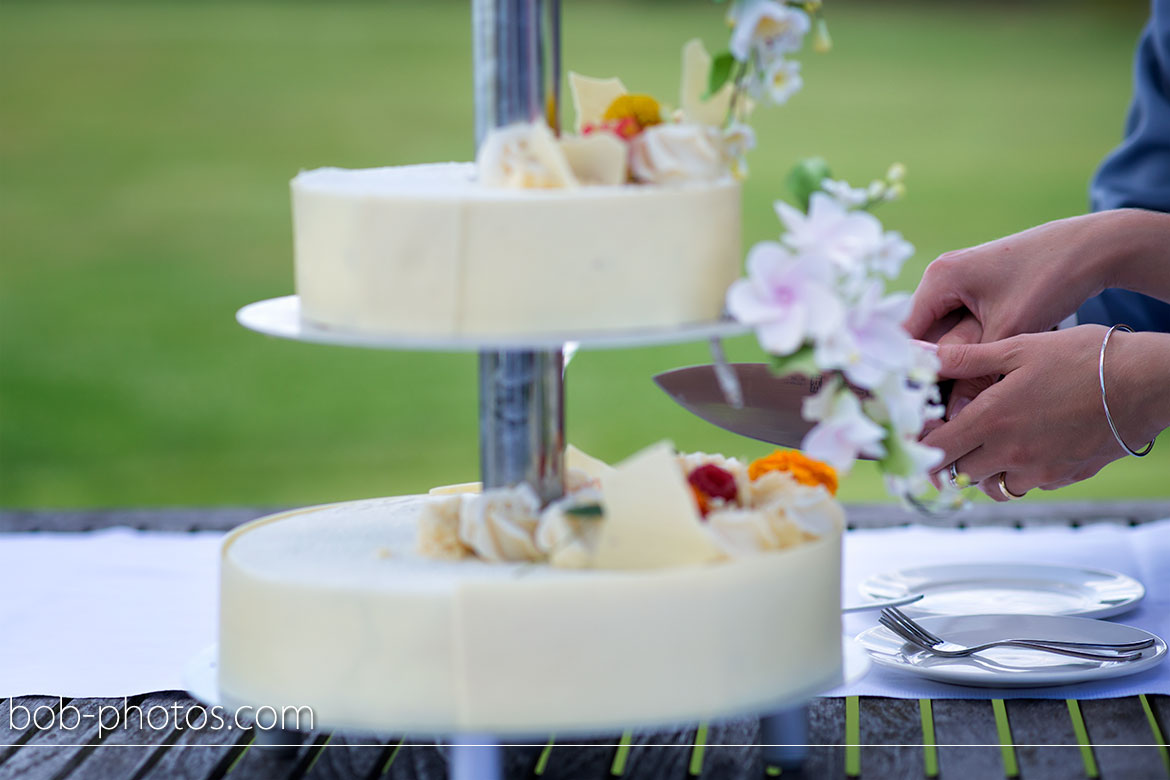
106,613
120,612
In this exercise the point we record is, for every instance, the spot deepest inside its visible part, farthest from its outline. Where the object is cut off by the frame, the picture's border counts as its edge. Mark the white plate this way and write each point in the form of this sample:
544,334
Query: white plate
1020,588
1011,667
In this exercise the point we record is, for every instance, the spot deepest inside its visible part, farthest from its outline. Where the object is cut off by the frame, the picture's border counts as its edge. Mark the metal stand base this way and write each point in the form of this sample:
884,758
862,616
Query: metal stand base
476,757
784,735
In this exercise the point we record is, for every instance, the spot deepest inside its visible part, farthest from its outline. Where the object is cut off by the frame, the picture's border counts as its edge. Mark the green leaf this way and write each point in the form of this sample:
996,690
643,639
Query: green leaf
585,510
897,460
805,178
799,362
721,68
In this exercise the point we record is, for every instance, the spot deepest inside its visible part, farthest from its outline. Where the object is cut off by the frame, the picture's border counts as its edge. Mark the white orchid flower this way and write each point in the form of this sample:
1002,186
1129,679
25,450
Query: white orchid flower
846,194
767,27
843,431
777,81
891,253
843,237
873,344
787,297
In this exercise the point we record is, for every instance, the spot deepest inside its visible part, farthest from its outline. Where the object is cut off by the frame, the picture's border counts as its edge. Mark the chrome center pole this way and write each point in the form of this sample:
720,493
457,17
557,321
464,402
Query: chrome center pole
517,59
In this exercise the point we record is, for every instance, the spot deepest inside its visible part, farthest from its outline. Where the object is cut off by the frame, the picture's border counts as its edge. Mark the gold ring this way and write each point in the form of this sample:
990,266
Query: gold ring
1003,488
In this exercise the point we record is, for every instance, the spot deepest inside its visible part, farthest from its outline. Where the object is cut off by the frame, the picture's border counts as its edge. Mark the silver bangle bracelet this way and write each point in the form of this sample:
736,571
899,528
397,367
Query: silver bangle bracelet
1108,417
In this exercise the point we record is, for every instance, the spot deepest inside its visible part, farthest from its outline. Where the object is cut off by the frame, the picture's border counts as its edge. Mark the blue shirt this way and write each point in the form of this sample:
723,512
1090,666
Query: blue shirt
1137,173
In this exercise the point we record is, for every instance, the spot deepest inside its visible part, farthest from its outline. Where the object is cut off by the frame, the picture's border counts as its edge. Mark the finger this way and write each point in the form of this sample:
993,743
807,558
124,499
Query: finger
964,391
966,330
972,361
944,325
1018,482
933,300
957,438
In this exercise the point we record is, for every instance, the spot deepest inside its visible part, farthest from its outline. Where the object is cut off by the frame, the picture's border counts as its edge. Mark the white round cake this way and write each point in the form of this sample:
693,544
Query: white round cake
429,250
332,608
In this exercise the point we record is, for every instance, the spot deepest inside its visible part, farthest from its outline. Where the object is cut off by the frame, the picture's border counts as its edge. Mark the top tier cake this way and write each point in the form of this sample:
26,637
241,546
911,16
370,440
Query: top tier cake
430,250
631,222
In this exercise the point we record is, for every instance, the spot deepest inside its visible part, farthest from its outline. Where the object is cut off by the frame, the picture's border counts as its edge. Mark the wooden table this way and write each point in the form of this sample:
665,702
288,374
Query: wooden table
850,737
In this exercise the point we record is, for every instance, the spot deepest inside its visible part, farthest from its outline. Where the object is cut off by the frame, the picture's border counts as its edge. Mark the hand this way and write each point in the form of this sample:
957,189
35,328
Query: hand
1024,283
1043,424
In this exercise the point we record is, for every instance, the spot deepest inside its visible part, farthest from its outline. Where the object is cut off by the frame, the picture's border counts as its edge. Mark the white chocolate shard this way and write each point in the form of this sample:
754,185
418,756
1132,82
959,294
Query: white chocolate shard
696,70
598,158
591,97
651,520
456,489
581,461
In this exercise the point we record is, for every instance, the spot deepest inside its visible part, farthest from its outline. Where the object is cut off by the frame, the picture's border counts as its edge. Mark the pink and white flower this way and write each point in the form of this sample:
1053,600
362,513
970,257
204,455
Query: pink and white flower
843,237
787,297
843,431
872,345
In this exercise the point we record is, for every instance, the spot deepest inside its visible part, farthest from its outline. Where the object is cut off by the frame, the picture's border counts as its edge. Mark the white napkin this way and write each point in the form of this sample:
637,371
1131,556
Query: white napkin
1143,552
114,612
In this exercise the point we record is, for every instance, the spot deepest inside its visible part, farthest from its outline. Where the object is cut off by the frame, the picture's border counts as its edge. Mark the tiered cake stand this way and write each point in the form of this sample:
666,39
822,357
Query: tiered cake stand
516,48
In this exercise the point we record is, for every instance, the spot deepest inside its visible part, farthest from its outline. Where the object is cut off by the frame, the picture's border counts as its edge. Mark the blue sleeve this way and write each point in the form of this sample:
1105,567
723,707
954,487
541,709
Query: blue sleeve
1137,173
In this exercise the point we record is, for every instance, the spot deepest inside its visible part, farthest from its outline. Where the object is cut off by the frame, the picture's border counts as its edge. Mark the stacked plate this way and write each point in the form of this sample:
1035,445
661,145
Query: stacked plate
971,604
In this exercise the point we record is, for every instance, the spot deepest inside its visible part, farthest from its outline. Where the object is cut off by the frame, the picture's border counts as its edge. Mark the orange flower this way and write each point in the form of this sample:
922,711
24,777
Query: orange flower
700,500
804,469
643,109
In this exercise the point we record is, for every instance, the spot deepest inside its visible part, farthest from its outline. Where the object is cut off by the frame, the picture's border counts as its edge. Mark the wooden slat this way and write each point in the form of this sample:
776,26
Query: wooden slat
962,722
594,761
1044,722
642,760
54,750
210,519
723,757
859,516
826,727
891,722
1020,514
417,760
11,737
105,762
292,758
198,753
1121,722
343,760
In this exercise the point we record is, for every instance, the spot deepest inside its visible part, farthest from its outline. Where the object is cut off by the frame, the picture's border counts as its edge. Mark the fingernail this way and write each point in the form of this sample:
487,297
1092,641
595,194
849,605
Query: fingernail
926,345
960,404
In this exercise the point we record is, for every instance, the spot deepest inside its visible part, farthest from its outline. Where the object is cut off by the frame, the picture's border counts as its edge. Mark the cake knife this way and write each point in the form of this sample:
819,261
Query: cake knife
771,409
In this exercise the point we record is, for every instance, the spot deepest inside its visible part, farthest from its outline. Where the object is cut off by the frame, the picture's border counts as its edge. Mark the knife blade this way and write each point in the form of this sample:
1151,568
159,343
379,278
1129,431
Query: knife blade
771,408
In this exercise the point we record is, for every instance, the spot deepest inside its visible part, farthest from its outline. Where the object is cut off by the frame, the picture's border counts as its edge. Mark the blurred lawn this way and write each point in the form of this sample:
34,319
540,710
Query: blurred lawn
145,152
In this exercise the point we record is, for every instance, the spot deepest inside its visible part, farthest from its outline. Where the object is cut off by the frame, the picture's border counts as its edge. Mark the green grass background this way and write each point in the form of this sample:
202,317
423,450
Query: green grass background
145,153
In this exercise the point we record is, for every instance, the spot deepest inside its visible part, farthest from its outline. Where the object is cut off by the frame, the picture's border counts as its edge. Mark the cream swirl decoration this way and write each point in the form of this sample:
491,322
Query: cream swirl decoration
675,153
500,525
525,156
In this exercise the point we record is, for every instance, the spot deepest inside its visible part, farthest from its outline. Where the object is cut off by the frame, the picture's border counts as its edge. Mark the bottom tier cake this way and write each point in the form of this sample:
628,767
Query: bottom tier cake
332,608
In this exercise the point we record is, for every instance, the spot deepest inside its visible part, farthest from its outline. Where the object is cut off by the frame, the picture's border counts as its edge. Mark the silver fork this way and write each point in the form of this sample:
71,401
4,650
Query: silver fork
920,630
915,634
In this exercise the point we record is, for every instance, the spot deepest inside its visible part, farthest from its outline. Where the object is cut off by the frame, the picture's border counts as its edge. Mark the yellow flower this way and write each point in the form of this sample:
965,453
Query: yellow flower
803,469
643,109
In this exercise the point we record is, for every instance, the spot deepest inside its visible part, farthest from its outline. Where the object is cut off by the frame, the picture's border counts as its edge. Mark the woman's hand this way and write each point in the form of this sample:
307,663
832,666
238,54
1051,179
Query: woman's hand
1024,283
1043,425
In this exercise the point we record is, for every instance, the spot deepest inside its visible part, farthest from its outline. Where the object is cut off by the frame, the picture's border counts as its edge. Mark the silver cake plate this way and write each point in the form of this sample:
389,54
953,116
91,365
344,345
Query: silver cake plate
281,317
